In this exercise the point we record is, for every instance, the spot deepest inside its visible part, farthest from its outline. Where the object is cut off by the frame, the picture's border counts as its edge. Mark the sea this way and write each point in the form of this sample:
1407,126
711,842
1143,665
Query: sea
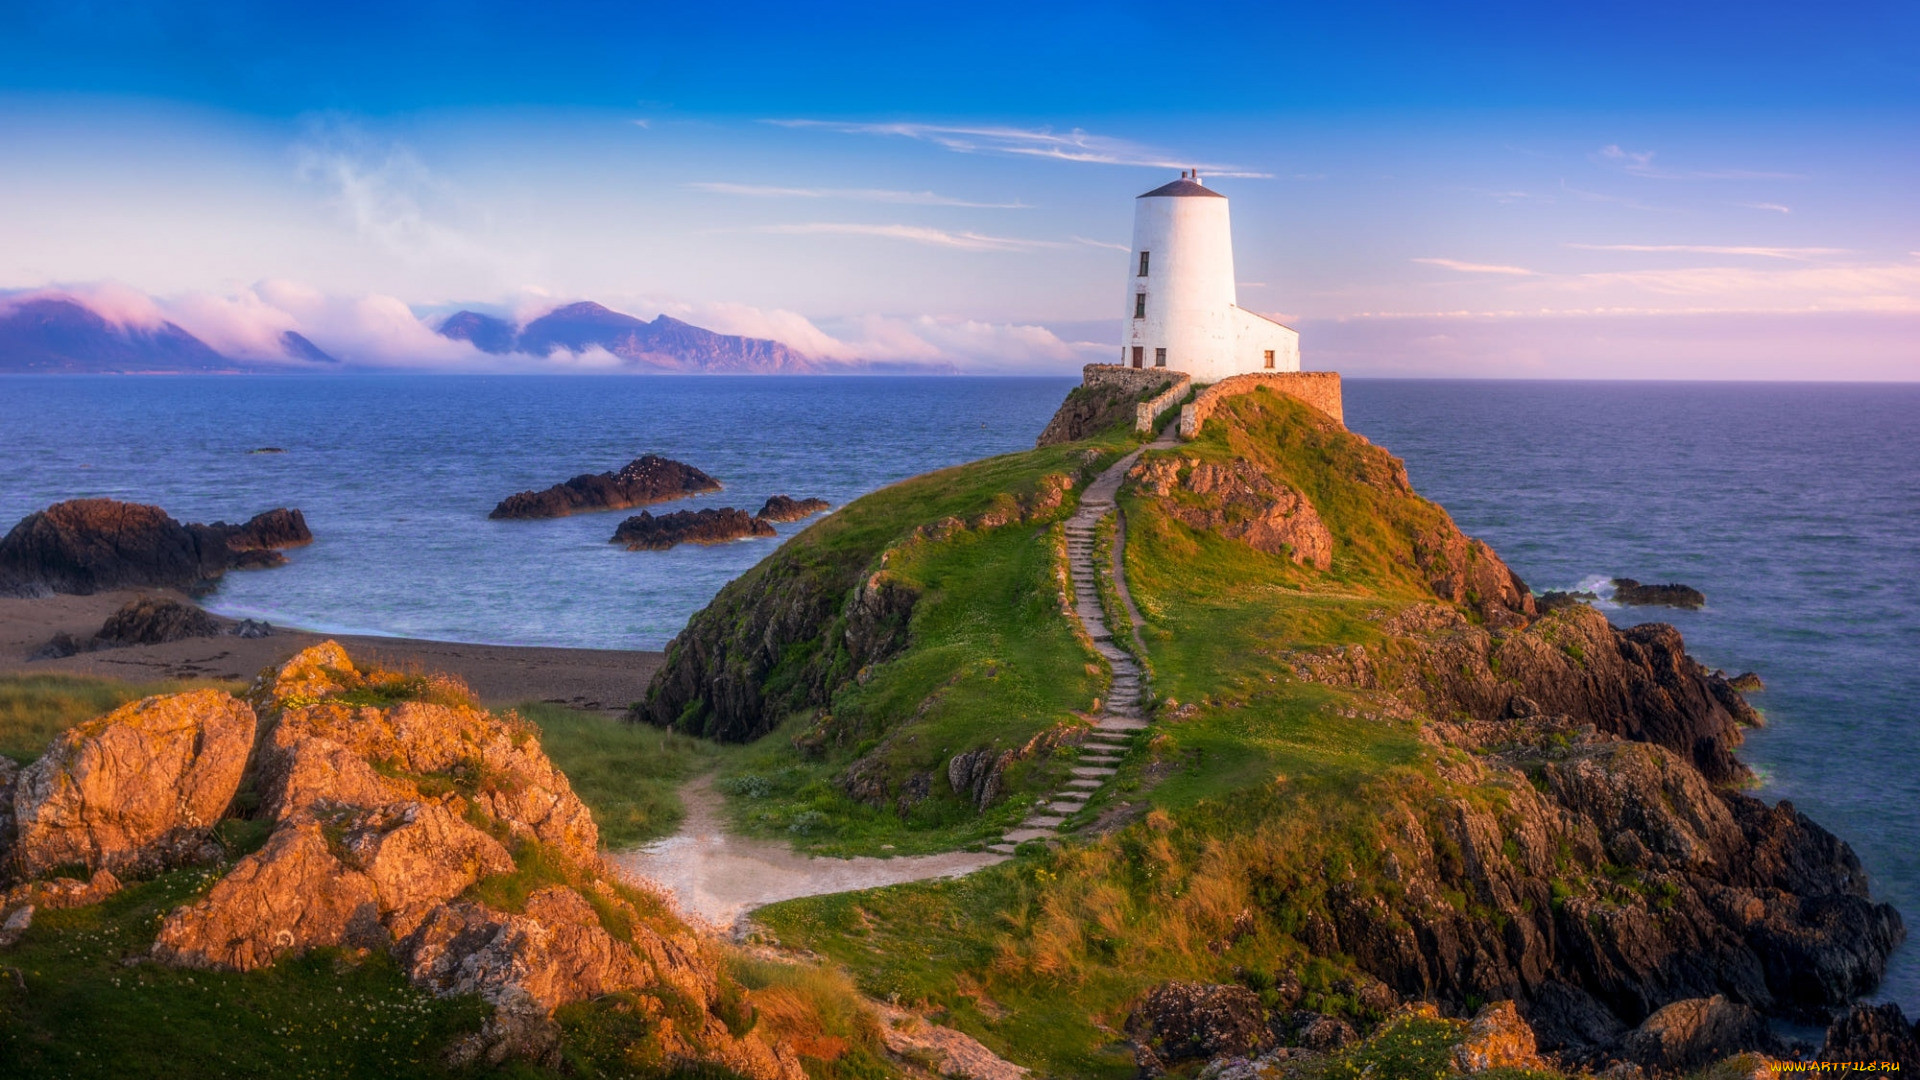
1794,507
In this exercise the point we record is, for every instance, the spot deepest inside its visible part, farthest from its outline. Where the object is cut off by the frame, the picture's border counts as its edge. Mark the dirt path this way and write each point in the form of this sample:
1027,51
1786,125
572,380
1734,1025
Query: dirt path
721,877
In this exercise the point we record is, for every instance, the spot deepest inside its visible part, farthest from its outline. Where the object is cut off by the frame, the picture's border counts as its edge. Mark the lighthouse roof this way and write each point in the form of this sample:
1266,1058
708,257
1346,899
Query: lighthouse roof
1180,187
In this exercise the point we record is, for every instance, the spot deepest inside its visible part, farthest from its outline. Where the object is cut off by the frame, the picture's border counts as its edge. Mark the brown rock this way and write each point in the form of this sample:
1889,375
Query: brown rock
148,620
85,546
644,532
783,508
1691,1033
642,482
1632,593
420,854
1498,1038
138,789
292,895
1184,1021
1873,1033
1240,502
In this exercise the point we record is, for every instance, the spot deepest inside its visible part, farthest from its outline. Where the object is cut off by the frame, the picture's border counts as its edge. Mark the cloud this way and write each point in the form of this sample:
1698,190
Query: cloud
878,195
1075,145
110,300
1806,253
1640,163
1771,207
918,234
1477,268
1100,244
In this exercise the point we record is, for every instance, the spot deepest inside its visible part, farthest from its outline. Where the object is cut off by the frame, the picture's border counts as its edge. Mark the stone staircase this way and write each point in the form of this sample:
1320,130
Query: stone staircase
1122,714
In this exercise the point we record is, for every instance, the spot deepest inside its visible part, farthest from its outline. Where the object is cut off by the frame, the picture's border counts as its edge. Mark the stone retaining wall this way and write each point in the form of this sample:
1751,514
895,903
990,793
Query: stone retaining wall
1144,412
1139,381
1320,389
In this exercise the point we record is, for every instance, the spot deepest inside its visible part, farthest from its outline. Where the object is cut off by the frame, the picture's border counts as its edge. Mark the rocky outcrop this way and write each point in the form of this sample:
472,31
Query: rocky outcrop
642,482
1465,571
86,546
644,532
1186,1021
1698,1031
1497,1039
783,508
151,620
1874,1033
1235,499
138,790
1633,594
389,820
1089,410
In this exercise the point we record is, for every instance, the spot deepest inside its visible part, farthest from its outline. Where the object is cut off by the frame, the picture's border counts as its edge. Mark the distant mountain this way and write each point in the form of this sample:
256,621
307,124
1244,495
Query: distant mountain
486,333
665,344
56,336
297,346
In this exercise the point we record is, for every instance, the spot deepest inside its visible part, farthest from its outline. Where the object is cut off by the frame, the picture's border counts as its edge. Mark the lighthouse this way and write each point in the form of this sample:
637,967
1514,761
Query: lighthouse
1182,310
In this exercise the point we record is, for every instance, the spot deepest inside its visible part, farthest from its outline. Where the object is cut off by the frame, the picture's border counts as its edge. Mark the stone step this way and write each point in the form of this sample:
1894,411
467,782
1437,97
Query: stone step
1093,770
1121,723
1067,807
1044,821
1085,783
1001,849
1022,835
1110,738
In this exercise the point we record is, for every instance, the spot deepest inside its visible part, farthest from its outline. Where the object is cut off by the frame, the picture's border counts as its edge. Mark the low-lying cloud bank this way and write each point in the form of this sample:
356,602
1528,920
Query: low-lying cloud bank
251,325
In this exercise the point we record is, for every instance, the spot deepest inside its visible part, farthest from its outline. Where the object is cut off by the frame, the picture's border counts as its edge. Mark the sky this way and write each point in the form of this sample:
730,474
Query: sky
1671,190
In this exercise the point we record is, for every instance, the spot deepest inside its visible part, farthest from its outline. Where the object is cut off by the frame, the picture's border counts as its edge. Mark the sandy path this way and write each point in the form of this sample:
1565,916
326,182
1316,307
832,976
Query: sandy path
721,878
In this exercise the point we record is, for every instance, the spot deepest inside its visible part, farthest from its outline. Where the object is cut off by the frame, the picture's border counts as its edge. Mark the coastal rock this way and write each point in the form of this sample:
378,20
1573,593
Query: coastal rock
1465,571
149,620
1746,682
1698,1031
1874,1033
781,508
642,482
1632,593
1089,410
139,789
1554,600
1186,1021
292,895
1497,1039
1240,502
85,546
644,532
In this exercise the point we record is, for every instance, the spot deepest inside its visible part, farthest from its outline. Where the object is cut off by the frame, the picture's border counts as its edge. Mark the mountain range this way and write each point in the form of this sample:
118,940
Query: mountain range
63,335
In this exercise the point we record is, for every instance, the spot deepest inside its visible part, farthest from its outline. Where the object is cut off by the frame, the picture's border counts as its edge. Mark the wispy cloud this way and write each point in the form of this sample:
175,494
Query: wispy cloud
1100,244
1477,268
1640,163
1771,207
918,234
1798,253
876,195
1075,145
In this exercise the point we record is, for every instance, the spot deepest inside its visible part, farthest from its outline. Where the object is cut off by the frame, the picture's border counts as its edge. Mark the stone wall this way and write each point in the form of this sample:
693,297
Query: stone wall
1320,389
1159,403
1137,380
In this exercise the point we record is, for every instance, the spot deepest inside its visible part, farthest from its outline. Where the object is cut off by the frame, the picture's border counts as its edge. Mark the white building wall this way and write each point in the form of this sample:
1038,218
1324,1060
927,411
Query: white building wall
1192,305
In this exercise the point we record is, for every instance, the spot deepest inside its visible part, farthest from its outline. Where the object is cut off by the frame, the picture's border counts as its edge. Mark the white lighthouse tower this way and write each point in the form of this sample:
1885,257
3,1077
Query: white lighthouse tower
1182,311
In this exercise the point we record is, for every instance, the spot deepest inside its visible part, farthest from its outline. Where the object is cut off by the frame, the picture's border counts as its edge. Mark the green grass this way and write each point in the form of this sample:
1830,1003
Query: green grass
86,1012
36,708
628,774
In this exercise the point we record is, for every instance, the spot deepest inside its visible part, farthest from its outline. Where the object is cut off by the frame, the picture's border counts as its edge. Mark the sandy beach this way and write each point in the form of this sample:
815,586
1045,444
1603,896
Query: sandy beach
602,680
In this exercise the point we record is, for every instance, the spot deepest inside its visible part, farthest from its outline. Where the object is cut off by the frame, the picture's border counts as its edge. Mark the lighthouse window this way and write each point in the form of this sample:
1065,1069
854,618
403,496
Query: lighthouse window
1159,358
1139,305
1269,357
1143,264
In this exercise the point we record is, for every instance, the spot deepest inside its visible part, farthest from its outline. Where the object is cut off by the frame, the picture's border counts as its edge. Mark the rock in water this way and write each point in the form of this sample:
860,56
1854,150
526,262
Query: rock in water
1698,1031
139,789
644,532
151,620
85,546
1633,594
644,481
1874,1033
783,508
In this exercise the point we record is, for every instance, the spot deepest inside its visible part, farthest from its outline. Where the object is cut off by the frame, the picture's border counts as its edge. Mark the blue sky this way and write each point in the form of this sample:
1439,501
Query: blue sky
1706,190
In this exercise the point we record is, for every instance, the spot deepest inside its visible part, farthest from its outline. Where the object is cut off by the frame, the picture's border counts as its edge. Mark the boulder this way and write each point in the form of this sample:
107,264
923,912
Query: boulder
418,855
645,532
292,895
151,620
1497,1039
85,546
782,508
1698,1031
1184,1021
139,789
642,482
1633,594
1873,1033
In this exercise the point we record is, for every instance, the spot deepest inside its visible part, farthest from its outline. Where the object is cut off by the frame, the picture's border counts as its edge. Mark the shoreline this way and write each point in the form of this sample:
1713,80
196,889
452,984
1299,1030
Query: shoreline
594,680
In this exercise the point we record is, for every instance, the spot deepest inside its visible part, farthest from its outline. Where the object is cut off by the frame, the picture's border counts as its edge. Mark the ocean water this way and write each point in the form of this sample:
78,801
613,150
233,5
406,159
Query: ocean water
1795,508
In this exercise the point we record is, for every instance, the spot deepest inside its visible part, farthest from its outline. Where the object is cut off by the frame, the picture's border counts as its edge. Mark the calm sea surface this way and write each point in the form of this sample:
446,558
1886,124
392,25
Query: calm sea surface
1795,508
